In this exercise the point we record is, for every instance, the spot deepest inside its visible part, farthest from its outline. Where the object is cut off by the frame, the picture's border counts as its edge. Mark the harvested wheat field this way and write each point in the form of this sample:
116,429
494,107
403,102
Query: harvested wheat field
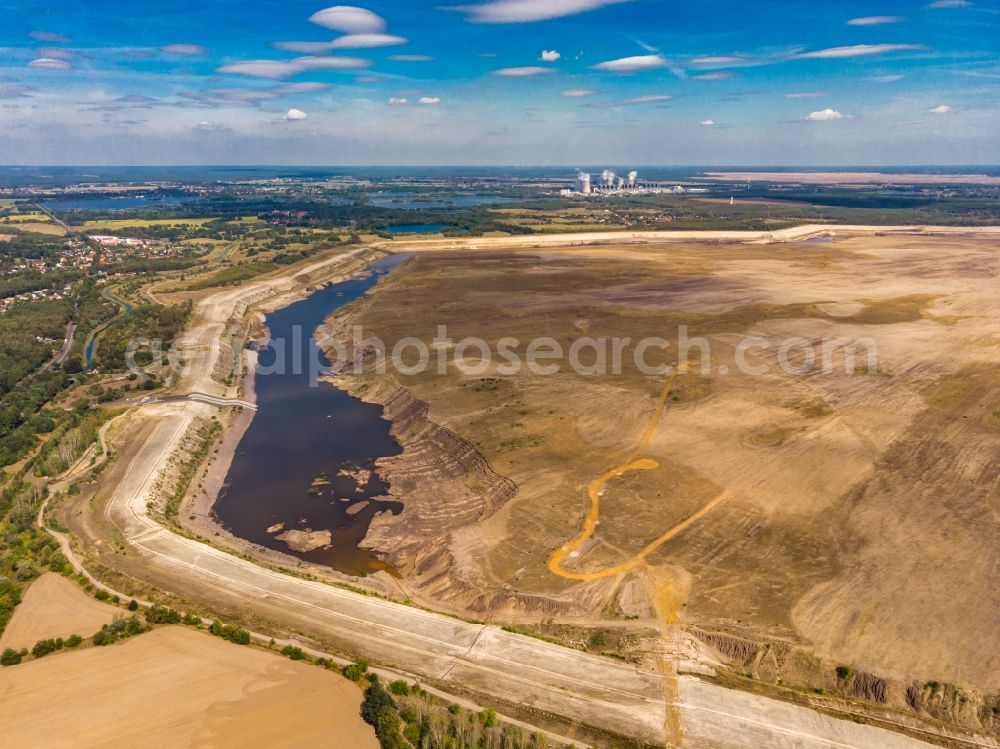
179,688
54,607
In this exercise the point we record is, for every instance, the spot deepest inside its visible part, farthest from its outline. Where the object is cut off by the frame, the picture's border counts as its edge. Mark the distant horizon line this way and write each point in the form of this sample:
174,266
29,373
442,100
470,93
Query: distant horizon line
727,167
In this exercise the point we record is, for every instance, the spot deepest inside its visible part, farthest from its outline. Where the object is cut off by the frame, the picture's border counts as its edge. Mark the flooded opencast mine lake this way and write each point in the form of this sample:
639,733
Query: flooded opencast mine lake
306,464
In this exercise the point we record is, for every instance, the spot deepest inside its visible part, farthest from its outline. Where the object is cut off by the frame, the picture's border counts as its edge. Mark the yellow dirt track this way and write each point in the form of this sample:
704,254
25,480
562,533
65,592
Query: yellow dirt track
596,489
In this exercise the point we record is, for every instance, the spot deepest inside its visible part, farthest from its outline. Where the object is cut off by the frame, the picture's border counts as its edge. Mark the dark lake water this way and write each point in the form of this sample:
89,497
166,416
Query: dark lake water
288,468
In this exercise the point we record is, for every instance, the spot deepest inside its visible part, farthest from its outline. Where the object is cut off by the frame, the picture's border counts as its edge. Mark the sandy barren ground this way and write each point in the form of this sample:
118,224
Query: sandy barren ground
860,511
616,239
572,431
179,688
54,607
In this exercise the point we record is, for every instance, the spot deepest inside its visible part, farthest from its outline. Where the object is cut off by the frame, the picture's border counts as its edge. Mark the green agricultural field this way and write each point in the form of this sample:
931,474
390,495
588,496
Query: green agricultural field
133,223
42,228
30,216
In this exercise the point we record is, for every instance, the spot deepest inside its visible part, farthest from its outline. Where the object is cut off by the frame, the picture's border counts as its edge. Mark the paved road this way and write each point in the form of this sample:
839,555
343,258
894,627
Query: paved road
67,345
56,360
54,217
212,400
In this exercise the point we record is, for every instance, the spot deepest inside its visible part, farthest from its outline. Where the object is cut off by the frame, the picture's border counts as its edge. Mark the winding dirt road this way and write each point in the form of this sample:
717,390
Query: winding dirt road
595,491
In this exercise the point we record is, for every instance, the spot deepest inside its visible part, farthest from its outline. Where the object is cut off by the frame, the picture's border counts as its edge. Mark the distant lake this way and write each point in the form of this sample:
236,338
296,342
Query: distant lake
417,228
413,201
101,203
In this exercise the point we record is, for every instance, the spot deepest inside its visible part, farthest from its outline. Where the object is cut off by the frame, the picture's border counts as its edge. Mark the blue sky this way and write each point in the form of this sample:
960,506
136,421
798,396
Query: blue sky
500,82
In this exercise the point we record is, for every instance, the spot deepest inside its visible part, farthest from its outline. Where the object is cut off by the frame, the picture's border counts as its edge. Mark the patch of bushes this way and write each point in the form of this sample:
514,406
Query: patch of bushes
230,632
417,720
119,629
188,469
11,657
380,711
233,275
296,654
43,648
10,597
598,640
162,615
356,671
400,687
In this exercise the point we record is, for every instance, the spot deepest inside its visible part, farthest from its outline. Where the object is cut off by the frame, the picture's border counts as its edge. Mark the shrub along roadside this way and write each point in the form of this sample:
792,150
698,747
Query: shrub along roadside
230,632
406,716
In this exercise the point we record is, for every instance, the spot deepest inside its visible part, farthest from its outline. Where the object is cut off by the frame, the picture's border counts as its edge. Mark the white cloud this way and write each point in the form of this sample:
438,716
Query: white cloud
550,55
364,41
247,97
708,123
305,87
943,109
430,100
57,53
279,69
261,69
886,78
521,72
48,36
528,11
858,50
350,41
714,76
941,4
349,19
304,48
241,97
579,92
638,100
330,63
295,115
15,91
805,95
184,49
825,115
137,100
720,61
410,58
874,20
398,102
48,63
633,64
